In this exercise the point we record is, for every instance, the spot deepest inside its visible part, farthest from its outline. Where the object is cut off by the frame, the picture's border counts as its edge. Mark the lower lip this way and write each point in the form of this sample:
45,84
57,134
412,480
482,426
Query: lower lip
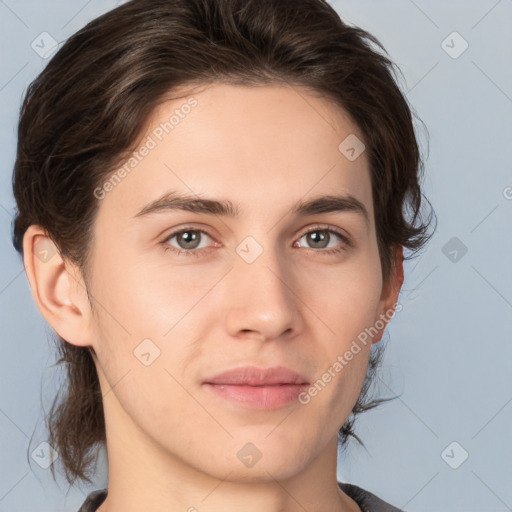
259,397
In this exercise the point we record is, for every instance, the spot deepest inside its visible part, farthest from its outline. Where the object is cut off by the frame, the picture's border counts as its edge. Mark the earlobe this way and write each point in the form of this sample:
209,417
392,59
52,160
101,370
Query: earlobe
57,287
390,293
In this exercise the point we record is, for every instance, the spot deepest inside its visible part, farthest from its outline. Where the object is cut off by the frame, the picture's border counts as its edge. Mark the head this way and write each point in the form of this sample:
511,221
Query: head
263,105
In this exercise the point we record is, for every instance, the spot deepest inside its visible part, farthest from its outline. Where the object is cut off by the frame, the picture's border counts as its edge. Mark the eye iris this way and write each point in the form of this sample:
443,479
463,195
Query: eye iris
190,238
315,237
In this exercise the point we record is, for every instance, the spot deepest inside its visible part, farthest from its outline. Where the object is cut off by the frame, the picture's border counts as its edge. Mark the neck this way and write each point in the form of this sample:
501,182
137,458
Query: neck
144,477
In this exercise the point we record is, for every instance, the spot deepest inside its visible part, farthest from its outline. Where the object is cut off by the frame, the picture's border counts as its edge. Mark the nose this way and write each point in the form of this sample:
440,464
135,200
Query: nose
260,293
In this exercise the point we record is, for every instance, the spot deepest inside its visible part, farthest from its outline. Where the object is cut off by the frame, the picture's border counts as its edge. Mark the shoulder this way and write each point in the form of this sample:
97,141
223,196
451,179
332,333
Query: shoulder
366,500
93,501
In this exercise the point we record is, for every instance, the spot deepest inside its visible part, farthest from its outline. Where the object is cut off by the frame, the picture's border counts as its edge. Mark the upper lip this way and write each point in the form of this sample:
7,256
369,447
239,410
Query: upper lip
253,376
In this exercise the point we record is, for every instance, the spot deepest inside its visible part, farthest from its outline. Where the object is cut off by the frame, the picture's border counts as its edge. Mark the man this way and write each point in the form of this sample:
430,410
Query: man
220,195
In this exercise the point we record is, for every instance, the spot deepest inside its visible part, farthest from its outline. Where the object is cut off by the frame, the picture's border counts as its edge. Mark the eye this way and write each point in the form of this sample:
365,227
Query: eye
320,238
188,240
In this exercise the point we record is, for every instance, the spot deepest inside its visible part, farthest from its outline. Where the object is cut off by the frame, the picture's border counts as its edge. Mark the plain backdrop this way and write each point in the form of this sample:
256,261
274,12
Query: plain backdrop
445,443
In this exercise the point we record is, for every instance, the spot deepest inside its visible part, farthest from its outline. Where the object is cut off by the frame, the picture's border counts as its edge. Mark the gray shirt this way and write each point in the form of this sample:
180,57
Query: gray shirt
367,501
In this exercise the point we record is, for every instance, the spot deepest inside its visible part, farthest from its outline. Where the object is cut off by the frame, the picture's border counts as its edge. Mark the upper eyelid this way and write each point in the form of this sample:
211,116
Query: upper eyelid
322,227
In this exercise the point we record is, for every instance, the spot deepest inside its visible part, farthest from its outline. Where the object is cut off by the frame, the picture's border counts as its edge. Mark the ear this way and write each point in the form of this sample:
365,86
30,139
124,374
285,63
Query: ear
390,293
57,287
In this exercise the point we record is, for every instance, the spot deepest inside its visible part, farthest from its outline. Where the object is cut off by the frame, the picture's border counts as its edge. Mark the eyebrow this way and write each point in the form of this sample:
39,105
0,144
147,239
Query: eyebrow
196,204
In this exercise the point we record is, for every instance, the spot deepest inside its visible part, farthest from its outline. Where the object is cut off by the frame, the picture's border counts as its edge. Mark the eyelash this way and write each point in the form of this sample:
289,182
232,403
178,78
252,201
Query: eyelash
198,252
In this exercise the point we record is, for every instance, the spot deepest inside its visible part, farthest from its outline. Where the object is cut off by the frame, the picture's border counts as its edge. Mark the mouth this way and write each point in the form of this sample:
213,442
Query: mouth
256,388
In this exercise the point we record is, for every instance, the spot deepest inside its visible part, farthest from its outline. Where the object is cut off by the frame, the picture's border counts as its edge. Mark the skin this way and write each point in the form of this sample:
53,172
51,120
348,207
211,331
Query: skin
171,444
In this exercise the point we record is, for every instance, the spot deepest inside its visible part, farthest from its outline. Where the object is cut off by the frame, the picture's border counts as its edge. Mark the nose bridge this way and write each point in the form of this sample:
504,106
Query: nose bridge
262,300
263,264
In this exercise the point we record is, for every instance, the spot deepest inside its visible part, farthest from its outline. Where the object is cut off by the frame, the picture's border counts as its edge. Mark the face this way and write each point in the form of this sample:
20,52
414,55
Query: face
183,295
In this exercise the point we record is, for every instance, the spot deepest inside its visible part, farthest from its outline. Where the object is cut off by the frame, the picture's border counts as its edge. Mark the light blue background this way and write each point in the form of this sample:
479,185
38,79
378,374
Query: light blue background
449,351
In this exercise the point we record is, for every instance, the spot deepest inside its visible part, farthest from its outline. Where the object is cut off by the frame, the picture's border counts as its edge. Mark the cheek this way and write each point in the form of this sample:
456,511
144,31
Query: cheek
147,309
139,363
348,305
131,295
345,297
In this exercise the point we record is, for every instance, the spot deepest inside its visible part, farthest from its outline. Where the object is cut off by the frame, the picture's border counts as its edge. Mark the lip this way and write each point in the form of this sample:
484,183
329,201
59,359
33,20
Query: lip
253,376
258,388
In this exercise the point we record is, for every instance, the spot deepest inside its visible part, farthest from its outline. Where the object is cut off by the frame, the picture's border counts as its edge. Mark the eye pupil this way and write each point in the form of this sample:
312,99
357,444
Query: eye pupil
318,237
190,239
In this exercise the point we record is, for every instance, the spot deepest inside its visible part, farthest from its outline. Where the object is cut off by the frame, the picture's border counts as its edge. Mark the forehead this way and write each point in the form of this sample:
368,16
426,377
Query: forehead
264,147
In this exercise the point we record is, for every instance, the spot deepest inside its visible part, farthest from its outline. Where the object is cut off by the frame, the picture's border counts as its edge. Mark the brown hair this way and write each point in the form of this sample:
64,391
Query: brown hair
82,115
